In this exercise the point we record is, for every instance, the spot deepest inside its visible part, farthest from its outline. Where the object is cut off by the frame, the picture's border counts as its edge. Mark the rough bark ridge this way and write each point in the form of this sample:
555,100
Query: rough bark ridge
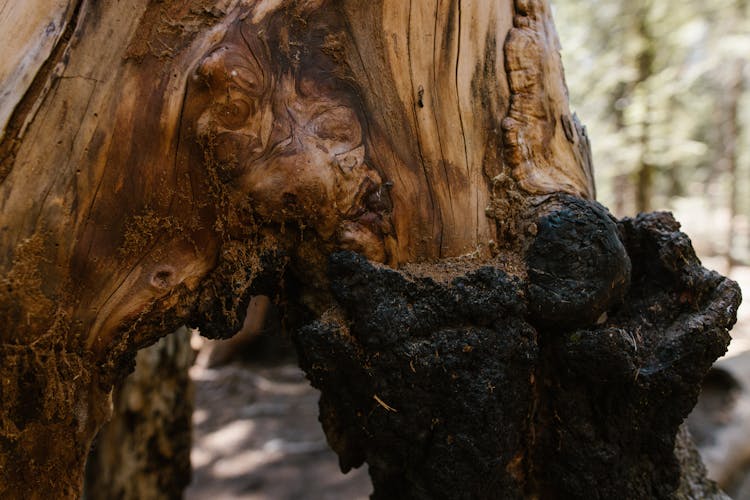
469,387
546,148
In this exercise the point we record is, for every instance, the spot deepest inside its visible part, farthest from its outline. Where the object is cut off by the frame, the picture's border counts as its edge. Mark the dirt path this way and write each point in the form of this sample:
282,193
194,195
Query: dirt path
256,436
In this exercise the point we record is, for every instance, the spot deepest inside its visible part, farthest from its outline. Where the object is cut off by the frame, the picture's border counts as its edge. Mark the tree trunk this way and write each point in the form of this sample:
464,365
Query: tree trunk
732,131
164,162
144,451
645,64
732,136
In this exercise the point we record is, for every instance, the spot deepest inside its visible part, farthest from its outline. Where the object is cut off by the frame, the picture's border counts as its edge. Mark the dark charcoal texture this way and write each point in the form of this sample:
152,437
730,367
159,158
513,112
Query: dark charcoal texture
577,266
617,394
447,391
430,353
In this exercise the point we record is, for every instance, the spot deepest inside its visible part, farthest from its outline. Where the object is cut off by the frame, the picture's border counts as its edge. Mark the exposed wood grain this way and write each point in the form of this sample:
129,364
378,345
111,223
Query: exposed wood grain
31,30
165,150
544,147
443,98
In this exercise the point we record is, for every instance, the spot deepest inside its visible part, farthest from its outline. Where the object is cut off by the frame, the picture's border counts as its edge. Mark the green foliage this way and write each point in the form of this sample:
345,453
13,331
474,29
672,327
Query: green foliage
654,81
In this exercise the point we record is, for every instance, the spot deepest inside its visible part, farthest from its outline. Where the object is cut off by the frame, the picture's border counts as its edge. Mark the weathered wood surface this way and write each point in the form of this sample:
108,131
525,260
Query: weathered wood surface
31,31
166,161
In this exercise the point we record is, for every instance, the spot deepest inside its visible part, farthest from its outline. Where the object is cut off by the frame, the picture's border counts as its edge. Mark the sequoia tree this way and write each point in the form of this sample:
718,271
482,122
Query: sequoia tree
408,173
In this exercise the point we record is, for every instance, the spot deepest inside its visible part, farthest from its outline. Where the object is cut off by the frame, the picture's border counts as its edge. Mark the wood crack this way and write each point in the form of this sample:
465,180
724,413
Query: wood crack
435,213
42,83
434,110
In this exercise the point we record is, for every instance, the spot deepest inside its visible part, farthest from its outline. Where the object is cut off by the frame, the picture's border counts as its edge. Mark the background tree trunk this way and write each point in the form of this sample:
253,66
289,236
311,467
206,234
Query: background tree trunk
166,161
144,451
645,64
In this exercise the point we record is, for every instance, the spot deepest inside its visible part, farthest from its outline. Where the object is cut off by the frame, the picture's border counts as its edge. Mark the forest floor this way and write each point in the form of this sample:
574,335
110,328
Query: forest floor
256,436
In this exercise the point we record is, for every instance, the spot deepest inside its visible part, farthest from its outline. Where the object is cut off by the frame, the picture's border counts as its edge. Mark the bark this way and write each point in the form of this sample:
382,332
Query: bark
475,383
166,161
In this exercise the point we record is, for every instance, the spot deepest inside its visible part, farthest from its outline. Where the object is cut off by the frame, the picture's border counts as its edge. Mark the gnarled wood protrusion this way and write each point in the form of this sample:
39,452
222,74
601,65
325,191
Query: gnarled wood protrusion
546,148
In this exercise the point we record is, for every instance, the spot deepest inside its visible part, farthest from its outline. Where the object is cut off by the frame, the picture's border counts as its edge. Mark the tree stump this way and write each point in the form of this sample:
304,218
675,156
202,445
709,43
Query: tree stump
162,162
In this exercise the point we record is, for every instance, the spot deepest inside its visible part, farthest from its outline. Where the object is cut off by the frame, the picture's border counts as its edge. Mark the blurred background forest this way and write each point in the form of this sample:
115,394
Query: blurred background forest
661,86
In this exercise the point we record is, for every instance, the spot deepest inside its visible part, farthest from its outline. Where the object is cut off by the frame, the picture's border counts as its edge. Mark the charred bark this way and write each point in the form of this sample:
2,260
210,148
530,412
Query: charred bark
467,382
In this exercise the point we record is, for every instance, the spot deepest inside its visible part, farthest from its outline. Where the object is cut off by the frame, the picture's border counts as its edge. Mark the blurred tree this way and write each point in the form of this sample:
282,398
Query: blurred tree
143,452
733,128
661,84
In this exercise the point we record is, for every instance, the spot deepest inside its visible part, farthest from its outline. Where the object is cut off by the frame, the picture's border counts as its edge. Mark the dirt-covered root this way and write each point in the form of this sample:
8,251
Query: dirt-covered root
471,387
